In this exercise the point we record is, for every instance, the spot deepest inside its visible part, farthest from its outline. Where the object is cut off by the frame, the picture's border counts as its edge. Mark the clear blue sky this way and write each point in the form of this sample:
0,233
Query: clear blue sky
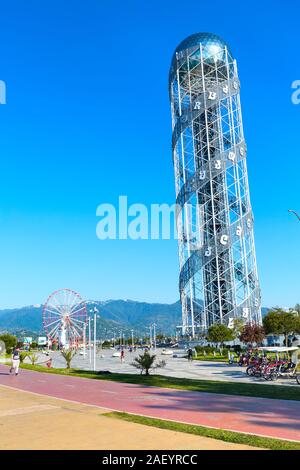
87,118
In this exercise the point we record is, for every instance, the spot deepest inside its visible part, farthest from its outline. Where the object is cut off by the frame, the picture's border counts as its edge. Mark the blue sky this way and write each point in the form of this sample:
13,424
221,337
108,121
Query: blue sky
87,119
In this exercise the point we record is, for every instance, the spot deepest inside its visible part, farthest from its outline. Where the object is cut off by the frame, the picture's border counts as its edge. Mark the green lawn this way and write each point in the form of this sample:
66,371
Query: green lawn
211,358
197,385
227,436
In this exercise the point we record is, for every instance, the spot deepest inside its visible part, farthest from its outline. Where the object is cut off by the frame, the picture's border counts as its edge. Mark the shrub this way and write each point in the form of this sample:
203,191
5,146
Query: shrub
208,349
146,361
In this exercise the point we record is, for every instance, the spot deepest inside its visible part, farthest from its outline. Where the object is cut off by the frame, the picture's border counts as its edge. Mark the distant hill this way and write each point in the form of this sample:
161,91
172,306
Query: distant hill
115,315
24,318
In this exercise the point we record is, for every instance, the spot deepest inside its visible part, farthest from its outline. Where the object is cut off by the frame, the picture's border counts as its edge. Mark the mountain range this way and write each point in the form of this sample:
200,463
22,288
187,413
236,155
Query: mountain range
114,316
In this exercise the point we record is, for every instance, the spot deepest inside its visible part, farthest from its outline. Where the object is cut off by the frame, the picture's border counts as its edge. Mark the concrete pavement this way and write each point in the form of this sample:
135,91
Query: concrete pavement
33,422
175,367
266,417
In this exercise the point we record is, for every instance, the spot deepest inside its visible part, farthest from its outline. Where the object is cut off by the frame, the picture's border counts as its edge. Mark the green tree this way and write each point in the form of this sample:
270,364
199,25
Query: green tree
297,308
146,361
238,326
280,322
160,337
68,355
10,342
219,333
252,333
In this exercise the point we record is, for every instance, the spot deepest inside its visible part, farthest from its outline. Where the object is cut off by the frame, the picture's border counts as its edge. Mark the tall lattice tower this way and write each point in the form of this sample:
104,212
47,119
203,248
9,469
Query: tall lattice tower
218,275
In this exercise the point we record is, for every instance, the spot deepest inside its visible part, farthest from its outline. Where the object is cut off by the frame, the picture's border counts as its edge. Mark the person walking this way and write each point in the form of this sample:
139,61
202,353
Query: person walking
122,355
230,357
15,361
190,354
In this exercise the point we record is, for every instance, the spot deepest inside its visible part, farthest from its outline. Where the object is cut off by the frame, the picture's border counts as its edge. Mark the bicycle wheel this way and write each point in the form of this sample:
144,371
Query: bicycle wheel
268,375
274,375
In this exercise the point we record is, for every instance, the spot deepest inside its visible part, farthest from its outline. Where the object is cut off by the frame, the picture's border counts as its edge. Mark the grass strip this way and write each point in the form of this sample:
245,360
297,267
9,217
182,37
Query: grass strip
220,434
197,385
211,359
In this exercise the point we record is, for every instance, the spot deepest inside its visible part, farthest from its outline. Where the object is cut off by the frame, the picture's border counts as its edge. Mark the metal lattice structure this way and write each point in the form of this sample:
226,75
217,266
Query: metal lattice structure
218,275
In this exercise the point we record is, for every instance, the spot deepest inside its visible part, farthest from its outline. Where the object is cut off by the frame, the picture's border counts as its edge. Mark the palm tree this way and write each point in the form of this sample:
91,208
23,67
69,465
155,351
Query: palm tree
146,361
68,355
32,357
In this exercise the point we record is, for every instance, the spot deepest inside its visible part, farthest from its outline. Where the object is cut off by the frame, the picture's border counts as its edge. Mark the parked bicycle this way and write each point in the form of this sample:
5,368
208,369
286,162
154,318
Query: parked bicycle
279,368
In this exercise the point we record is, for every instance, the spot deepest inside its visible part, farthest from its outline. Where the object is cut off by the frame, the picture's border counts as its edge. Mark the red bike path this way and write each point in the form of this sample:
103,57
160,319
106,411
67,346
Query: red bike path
261,416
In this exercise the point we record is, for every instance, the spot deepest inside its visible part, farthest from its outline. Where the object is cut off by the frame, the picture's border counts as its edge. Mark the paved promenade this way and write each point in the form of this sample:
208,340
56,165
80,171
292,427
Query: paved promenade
44,422
267,417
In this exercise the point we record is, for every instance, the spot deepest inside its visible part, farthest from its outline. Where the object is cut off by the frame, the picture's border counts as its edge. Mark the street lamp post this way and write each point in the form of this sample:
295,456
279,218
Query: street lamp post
95,335
84,340
150,329
154,336
90,339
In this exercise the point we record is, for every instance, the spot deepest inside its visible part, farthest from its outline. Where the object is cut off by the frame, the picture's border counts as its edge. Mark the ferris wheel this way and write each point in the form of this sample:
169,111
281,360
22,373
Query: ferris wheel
64,317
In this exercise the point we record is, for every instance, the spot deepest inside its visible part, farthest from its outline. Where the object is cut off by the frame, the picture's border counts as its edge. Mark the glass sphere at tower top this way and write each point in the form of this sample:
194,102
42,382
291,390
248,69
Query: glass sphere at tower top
213,52
213,45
